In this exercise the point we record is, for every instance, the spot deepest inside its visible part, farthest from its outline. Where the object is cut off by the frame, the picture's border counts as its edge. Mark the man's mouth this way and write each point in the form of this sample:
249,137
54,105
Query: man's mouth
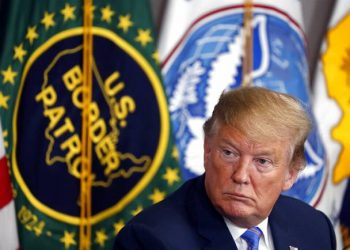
237,197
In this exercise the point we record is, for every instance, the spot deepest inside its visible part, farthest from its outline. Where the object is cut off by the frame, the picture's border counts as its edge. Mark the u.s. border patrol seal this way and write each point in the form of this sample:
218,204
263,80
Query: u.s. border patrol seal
128,125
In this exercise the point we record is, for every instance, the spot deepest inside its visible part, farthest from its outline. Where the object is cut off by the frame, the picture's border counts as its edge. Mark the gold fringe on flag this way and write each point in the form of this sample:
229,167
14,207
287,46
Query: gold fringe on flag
345,232
86,157
247,71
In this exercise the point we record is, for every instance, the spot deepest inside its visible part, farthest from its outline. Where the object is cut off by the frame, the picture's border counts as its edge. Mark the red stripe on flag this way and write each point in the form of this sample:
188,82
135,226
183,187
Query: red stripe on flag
5,183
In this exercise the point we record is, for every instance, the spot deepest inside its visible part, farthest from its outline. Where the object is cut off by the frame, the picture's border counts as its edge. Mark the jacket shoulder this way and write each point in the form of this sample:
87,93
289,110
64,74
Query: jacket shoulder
173,208
309,226
156,226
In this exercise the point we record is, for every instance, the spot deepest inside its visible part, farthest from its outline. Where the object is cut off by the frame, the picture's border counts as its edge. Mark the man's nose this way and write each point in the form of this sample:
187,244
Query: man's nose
240,172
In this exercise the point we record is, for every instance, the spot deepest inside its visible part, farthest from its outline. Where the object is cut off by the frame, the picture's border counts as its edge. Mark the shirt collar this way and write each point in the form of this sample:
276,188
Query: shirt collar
237,231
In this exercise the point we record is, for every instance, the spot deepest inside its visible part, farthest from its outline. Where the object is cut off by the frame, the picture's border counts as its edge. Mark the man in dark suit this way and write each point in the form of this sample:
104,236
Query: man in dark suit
253,151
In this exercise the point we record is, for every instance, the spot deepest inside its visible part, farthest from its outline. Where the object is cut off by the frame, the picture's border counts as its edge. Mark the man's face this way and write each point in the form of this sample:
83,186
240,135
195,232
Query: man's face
244,179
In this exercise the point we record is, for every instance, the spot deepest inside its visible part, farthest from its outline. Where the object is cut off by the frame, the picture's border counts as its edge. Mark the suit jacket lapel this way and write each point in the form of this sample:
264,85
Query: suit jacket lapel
211,227
283,238
208,222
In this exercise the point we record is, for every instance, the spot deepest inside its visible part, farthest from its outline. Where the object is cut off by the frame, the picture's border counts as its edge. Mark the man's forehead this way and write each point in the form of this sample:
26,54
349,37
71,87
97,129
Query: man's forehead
262,145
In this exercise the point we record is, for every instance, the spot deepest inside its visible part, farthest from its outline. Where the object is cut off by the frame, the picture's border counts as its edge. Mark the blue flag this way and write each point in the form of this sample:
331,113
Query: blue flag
202,56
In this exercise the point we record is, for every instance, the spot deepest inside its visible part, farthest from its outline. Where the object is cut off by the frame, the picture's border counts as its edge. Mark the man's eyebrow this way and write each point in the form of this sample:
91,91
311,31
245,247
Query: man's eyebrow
269,151
264,151
230,142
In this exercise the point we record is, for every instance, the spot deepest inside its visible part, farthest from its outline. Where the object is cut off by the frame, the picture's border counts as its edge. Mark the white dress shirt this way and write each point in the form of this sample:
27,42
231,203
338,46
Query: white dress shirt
265,242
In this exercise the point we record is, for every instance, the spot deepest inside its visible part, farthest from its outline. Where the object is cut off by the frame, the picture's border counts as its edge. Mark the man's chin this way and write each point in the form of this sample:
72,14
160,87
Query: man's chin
238,210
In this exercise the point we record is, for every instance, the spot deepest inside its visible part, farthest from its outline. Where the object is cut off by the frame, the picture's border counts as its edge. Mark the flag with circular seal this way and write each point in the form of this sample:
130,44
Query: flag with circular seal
332,111
202,50
134,161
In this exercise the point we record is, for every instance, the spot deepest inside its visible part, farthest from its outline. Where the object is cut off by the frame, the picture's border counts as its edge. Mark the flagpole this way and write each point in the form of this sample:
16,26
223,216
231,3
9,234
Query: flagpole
85,181
247,69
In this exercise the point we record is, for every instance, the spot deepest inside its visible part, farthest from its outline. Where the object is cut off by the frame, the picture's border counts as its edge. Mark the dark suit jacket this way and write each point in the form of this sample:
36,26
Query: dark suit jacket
187,220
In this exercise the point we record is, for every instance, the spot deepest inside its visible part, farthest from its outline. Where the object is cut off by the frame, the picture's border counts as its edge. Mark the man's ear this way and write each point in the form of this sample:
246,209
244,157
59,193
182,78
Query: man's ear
207,149
290,178
206,144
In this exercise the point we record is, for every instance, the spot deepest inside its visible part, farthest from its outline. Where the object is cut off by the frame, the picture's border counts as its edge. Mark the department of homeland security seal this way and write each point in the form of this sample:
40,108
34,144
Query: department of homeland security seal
127,103
208,59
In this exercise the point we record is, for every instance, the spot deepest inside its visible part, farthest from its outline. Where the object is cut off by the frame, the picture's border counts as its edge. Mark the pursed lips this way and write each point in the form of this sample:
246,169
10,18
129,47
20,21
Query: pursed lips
237,196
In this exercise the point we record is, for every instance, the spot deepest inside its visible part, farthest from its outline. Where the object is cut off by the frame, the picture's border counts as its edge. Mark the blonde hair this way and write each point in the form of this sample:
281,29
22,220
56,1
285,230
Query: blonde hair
262,114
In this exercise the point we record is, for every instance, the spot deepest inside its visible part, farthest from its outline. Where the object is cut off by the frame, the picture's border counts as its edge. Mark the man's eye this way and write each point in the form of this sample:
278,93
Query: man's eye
264,163
227,152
